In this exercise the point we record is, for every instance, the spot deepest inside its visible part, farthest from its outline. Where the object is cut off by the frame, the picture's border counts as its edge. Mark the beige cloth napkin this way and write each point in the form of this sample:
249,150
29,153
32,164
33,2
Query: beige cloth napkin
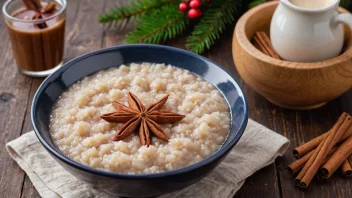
257,148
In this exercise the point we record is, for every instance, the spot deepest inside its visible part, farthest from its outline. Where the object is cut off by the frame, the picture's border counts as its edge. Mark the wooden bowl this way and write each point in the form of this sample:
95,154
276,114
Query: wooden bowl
288,84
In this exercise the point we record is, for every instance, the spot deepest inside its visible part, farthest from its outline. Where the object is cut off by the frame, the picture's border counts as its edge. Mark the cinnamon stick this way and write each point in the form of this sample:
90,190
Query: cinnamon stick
346,167
295,166
263,43
312,144
308,164
267,43
257,43
308,146
39,15
336,160
311,167
39,25
299,163
50,7
32,4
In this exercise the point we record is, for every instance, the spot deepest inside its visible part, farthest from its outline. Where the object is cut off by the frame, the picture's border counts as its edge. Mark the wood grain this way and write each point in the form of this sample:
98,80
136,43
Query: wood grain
28,189
84,34
81,37
309,125
288,84
113,37
14,90
264,181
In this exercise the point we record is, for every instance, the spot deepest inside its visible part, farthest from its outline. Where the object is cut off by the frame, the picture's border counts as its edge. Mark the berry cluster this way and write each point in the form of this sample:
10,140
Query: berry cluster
193,7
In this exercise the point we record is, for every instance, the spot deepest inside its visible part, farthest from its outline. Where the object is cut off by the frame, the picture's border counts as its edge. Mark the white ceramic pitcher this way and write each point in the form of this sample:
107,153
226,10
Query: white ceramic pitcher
308,35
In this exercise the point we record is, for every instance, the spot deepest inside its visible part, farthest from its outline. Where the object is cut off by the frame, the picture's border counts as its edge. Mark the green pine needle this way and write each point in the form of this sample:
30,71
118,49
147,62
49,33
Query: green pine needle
159,25
160,20
216,18
122,14
256,2
346,3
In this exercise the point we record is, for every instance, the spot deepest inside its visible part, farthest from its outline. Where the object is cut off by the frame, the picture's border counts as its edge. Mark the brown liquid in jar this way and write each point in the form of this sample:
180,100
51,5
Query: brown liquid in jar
37,49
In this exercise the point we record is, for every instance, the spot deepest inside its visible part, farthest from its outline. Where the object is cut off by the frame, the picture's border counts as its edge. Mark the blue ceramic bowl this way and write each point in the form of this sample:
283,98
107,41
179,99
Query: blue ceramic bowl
144,185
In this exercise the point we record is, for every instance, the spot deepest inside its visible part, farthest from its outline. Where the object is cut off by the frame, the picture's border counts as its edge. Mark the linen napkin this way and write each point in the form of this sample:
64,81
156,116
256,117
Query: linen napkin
257,148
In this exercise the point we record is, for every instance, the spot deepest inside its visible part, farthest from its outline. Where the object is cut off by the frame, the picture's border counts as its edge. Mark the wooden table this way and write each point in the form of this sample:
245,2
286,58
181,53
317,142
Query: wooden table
85,34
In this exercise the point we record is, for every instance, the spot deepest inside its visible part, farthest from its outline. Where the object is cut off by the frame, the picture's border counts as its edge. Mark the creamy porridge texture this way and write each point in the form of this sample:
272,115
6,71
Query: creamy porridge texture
78,130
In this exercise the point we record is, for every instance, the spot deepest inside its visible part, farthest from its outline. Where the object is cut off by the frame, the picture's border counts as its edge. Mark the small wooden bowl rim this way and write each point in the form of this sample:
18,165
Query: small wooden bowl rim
249,47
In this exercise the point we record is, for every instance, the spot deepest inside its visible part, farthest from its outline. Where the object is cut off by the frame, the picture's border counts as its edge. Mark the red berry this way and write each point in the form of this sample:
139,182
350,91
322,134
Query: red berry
207,1
199,12
193,13
195,4
183,6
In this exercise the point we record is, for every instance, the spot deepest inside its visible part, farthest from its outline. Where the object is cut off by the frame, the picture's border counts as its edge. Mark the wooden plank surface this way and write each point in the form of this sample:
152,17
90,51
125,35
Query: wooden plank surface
85,34
305,125
81,37
14,91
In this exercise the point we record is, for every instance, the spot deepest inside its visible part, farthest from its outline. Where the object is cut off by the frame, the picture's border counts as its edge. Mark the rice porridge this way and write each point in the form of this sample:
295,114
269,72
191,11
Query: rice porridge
80,133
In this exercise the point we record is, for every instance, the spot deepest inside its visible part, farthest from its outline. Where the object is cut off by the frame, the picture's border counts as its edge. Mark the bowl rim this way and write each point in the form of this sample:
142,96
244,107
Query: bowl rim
240,35
217,154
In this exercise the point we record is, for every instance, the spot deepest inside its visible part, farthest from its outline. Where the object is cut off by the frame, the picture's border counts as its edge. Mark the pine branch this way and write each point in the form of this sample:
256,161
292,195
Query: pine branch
123,14
216,18
257,2
346,3
159,25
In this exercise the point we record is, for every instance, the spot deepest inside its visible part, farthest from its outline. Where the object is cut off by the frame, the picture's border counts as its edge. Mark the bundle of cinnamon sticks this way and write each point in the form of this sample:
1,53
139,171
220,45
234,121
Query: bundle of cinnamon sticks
262,42
323,155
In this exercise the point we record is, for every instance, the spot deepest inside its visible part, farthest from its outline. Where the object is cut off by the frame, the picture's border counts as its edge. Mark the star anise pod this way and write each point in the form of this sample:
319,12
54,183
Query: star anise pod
144,120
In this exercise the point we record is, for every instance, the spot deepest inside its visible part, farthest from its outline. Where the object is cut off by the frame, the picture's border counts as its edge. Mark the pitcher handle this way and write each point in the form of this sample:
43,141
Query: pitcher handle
345,18
342,18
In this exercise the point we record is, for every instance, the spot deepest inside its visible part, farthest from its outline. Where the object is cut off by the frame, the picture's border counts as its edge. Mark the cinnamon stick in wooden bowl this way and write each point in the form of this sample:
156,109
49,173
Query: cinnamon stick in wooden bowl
288,84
